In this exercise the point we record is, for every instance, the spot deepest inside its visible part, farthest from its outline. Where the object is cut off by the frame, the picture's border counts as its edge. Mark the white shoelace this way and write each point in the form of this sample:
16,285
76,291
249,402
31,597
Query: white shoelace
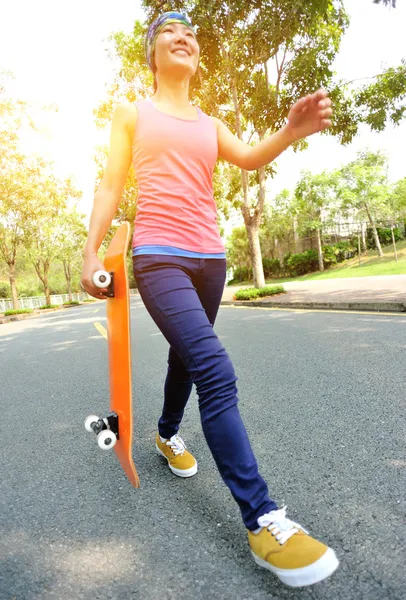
176,444
279,525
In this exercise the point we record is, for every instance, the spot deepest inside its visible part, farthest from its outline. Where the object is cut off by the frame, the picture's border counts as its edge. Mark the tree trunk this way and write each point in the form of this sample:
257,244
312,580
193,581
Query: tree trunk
68,277
13,285
319,250
296,235
394,243
256,258
44,279
251,221
46,289
364,237
374,231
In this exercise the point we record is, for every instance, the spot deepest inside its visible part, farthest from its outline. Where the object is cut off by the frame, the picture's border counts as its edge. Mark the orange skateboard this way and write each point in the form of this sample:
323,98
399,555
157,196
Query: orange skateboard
115,430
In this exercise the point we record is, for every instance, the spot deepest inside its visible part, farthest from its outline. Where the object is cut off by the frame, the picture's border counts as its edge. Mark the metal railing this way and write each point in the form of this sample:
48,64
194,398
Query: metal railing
38,301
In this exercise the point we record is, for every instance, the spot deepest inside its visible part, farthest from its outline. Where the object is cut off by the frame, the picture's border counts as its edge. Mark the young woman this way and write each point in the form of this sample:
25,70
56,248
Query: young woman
179,265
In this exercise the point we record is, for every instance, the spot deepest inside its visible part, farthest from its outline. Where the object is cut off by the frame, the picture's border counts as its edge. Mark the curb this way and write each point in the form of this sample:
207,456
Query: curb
36,313
395,307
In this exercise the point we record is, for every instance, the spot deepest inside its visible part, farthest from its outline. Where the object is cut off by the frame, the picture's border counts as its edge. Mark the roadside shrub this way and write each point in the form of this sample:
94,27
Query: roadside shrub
252,293
18,311
48,306
248,294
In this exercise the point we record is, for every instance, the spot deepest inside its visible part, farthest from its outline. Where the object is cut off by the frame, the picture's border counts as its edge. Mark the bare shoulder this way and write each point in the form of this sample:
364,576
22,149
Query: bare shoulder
125,115
216,121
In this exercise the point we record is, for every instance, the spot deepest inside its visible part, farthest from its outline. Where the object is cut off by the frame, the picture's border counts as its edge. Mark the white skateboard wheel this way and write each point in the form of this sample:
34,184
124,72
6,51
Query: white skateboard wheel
101,279
89,422
106,439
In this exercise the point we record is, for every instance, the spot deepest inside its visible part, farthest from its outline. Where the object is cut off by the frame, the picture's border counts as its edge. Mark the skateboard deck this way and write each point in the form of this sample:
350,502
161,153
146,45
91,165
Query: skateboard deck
119,424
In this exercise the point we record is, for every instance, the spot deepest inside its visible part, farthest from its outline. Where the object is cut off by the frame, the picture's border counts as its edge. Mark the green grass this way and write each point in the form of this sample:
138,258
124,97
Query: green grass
371,265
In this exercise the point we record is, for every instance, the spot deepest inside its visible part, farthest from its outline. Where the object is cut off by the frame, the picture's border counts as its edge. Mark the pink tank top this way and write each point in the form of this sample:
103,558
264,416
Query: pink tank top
174,161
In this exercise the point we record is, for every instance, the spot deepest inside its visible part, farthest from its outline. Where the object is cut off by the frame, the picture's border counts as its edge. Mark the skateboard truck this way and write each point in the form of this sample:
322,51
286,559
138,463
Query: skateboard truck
106,430
102,279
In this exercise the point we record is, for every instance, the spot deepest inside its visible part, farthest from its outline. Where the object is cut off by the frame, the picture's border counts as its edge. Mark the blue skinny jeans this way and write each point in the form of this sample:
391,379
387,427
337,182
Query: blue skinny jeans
183,296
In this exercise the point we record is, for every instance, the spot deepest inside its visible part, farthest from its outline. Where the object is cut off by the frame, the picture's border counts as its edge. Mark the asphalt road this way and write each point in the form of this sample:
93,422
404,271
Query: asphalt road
322,396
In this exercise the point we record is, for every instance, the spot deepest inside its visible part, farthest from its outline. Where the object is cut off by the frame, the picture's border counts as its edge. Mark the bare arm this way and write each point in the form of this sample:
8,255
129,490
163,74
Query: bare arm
108,195
307,116
109,192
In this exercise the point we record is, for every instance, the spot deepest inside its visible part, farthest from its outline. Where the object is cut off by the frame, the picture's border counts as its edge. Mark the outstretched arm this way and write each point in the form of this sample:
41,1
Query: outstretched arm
309,115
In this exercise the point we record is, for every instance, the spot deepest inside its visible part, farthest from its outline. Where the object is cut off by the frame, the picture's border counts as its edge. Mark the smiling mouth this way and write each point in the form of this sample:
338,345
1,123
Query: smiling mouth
181,51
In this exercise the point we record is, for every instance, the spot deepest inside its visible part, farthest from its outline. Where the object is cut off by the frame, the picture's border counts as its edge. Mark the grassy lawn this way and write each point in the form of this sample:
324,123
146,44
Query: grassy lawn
370,265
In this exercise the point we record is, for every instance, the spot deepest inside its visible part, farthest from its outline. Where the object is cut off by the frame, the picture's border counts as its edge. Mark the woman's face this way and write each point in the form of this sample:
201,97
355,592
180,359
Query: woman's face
176,49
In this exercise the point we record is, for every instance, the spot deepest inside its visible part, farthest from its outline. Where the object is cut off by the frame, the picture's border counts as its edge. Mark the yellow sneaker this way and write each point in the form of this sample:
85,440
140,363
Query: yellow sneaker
286,549
180,461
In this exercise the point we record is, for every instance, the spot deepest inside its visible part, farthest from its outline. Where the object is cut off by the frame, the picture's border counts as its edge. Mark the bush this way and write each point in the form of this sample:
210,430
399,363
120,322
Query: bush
300,264
18,311
28,291
248,294
329,256
252,293
272,267
71,303
5,290
385,236
57,288
345,250
48,306
242,274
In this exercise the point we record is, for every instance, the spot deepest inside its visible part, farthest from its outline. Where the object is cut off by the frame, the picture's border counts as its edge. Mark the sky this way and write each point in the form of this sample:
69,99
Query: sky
57,53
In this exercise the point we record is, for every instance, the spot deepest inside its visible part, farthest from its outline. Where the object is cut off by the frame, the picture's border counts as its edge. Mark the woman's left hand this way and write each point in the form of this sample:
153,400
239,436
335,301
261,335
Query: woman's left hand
309,115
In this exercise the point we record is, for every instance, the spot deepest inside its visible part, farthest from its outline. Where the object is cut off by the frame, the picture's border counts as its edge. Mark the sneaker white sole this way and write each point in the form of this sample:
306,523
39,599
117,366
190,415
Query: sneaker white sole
317,571
179,472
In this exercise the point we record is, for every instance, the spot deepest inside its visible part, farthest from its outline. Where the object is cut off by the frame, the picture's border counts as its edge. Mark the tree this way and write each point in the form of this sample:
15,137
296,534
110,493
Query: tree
256,60
240,43
47,228
383,101
19,192
313,199
22,181
238,253
391,3
279,226
364,189
71,238
398,199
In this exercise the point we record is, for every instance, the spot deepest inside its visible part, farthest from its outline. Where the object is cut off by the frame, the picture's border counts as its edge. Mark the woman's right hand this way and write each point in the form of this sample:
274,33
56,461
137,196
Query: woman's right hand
91,264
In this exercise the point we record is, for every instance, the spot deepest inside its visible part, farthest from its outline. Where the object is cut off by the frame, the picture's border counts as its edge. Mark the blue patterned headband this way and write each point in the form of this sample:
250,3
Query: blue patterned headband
155,28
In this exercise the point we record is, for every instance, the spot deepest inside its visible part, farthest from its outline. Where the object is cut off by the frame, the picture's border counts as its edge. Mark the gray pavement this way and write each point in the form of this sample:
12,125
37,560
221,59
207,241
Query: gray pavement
360,293
322,396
